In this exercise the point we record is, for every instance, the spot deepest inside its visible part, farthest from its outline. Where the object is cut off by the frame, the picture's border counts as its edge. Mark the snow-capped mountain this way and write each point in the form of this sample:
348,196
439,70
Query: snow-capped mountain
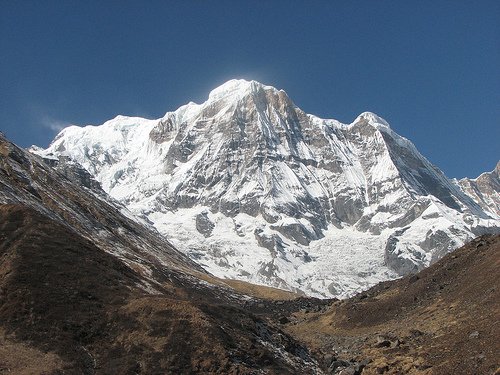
253,188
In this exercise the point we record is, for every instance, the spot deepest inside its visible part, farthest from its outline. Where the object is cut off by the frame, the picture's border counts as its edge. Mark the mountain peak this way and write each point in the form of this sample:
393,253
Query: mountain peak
237,88
370,118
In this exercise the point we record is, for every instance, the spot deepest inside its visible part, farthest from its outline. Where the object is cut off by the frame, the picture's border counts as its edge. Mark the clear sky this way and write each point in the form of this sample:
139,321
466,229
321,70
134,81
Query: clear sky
430,68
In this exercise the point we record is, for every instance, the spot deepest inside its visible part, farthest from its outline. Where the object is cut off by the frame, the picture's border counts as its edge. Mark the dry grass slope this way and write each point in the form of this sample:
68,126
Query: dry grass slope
67,307
445,320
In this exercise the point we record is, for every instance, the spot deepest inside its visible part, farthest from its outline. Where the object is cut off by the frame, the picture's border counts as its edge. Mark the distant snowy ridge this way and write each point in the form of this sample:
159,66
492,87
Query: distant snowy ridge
253,188
485,190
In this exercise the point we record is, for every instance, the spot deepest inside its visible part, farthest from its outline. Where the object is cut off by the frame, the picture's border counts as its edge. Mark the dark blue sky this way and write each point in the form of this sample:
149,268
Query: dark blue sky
431,68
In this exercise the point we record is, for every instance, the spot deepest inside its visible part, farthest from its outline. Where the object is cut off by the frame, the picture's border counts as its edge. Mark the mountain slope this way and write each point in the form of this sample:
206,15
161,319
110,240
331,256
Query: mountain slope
87,290
64,296
440,321
25,179
253,188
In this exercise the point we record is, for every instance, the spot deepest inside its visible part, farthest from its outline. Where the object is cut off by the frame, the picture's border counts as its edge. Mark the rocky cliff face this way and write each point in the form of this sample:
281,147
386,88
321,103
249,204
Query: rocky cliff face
253,188
485,190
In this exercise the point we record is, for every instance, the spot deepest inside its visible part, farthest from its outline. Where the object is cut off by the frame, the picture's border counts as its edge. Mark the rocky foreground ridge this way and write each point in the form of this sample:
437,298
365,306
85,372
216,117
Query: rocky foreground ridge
85,289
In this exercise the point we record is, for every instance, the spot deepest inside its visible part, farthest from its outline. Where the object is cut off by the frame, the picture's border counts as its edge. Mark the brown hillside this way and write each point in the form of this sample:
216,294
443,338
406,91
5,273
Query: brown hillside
67,307
444,320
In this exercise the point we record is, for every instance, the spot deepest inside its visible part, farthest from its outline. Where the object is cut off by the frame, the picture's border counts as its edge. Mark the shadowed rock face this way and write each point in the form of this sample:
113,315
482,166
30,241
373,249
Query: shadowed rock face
163,132
249,154
395,259
412,167
75,173
204,225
